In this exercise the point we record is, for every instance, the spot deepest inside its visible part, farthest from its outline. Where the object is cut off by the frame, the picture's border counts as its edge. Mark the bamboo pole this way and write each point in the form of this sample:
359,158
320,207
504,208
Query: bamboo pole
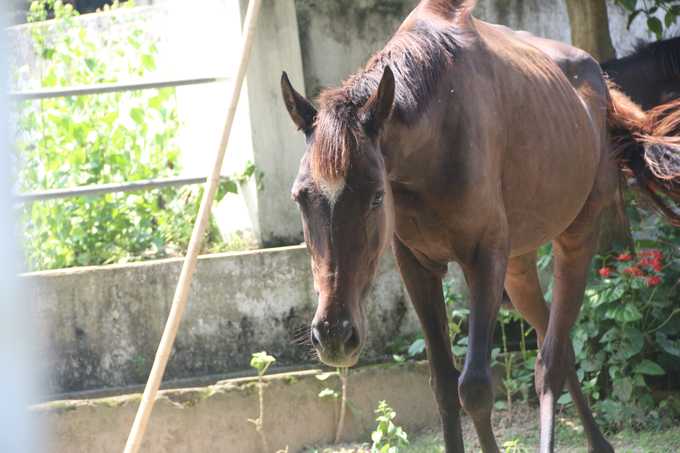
168,338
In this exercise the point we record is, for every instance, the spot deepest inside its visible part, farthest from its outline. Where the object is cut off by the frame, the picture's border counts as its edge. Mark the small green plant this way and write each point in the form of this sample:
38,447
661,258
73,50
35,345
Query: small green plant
343,374
139,362
388,437
519,377
261,361
513,446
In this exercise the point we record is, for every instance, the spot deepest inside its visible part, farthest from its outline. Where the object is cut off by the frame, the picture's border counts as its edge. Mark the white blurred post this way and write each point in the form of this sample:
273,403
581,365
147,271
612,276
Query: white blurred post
19,432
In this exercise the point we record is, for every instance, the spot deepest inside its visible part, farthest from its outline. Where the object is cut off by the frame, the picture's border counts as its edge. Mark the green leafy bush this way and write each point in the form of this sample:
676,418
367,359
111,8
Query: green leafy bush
628,332
99,139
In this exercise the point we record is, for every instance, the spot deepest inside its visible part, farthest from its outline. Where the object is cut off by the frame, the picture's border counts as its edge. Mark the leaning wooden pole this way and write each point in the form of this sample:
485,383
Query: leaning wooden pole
168,338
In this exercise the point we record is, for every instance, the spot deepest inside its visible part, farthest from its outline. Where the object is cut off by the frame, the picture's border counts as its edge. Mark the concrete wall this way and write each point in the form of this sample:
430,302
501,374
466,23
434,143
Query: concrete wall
215,418
95,326
338,37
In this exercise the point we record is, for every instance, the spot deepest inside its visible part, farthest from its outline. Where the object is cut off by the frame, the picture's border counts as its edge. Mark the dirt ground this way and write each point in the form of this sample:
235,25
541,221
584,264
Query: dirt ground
569,436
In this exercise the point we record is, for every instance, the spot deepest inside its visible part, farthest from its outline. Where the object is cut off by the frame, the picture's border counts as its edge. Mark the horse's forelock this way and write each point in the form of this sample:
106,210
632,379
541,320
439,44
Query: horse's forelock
418,55
338,135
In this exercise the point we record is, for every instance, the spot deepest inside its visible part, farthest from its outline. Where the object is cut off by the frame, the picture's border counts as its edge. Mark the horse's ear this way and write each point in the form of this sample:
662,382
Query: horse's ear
300,109
378,108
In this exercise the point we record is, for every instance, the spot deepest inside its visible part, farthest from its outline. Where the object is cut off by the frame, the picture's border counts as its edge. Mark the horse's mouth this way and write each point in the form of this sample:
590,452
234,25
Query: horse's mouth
339,360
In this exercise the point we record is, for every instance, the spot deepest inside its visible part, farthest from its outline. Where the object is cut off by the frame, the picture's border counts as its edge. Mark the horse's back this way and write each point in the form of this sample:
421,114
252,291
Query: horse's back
554,138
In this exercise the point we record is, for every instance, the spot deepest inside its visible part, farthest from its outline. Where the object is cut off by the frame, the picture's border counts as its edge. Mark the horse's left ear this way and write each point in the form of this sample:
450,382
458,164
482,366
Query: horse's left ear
301,111
378,108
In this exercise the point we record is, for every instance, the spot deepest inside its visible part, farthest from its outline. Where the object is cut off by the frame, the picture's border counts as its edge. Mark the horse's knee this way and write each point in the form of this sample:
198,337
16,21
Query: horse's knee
476,393
552,369
446,395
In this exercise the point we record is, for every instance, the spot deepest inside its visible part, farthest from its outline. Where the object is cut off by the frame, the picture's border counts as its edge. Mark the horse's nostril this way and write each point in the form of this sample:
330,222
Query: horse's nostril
351,339
316,340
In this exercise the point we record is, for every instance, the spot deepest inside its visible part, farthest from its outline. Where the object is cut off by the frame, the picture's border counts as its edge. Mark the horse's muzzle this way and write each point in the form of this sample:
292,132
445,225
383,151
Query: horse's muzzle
337,345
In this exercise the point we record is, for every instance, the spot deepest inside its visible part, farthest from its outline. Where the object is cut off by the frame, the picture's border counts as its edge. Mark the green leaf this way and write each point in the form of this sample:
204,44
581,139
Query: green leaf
655,27
48,53
324,376
137,115
459,351
149,61
564,399
49,81
623,389
629,4
156,102
417,347
610,335
78,233
627,313
91,63
328,392
650,368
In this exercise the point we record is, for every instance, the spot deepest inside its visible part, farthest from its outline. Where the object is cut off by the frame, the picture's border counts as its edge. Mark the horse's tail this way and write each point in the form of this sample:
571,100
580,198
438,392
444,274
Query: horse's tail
647,147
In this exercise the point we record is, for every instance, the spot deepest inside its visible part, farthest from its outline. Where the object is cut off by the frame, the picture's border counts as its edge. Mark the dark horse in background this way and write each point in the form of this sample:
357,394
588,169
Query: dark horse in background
464,141
650,76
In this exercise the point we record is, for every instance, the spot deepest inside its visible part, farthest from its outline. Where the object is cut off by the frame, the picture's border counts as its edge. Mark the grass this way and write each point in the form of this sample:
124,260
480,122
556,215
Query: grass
523,437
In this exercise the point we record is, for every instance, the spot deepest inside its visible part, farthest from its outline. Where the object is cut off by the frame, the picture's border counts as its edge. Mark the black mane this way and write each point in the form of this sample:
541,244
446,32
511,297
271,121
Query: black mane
666,51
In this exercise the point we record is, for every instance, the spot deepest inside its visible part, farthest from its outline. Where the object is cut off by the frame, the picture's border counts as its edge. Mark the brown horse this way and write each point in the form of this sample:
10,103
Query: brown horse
463,141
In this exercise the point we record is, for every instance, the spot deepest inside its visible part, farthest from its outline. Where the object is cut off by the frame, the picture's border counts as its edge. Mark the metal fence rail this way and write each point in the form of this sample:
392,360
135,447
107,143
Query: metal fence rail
100,88
101,189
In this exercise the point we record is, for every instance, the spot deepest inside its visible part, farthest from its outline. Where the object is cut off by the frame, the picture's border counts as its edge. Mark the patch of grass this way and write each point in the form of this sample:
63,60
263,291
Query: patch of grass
647,441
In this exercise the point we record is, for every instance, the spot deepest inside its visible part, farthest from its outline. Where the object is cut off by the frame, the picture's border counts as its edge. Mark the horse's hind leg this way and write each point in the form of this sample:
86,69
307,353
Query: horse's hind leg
425,290
522,285
574,249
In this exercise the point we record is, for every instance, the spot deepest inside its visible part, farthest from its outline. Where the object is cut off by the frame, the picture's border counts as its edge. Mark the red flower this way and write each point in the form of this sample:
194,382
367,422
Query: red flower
624,257
633,270
657,254
654,280
605,271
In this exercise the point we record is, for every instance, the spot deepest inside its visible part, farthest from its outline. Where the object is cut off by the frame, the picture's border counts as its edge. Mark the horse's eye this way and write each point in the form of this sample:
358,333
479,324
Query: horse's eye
377,200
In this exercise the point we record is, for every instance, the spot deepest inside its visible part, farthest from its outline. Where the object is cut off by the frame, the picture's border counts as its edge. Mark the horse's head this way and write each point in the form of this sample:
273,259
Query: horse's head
347,211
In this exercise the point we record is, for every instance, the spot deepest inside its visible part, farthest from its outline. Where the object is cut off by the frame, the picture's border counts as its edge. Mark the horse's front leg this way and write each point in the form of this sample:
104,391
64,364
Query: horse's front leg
425,289
484,272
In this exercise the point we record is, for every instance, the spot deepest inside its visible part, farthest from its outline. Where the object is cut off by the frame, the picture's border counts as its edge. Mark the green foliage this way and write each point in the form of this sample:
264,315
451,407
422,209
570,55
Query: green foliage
513,446
99,139
519,375
261,361
628,331
140,369
669,8
388,437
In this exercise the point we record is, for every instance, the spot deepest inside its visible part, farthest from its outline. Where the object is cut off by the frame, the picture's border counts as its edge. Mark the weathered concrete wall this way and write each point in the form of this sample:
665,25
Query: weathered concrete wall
95,326
214,419
338,37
